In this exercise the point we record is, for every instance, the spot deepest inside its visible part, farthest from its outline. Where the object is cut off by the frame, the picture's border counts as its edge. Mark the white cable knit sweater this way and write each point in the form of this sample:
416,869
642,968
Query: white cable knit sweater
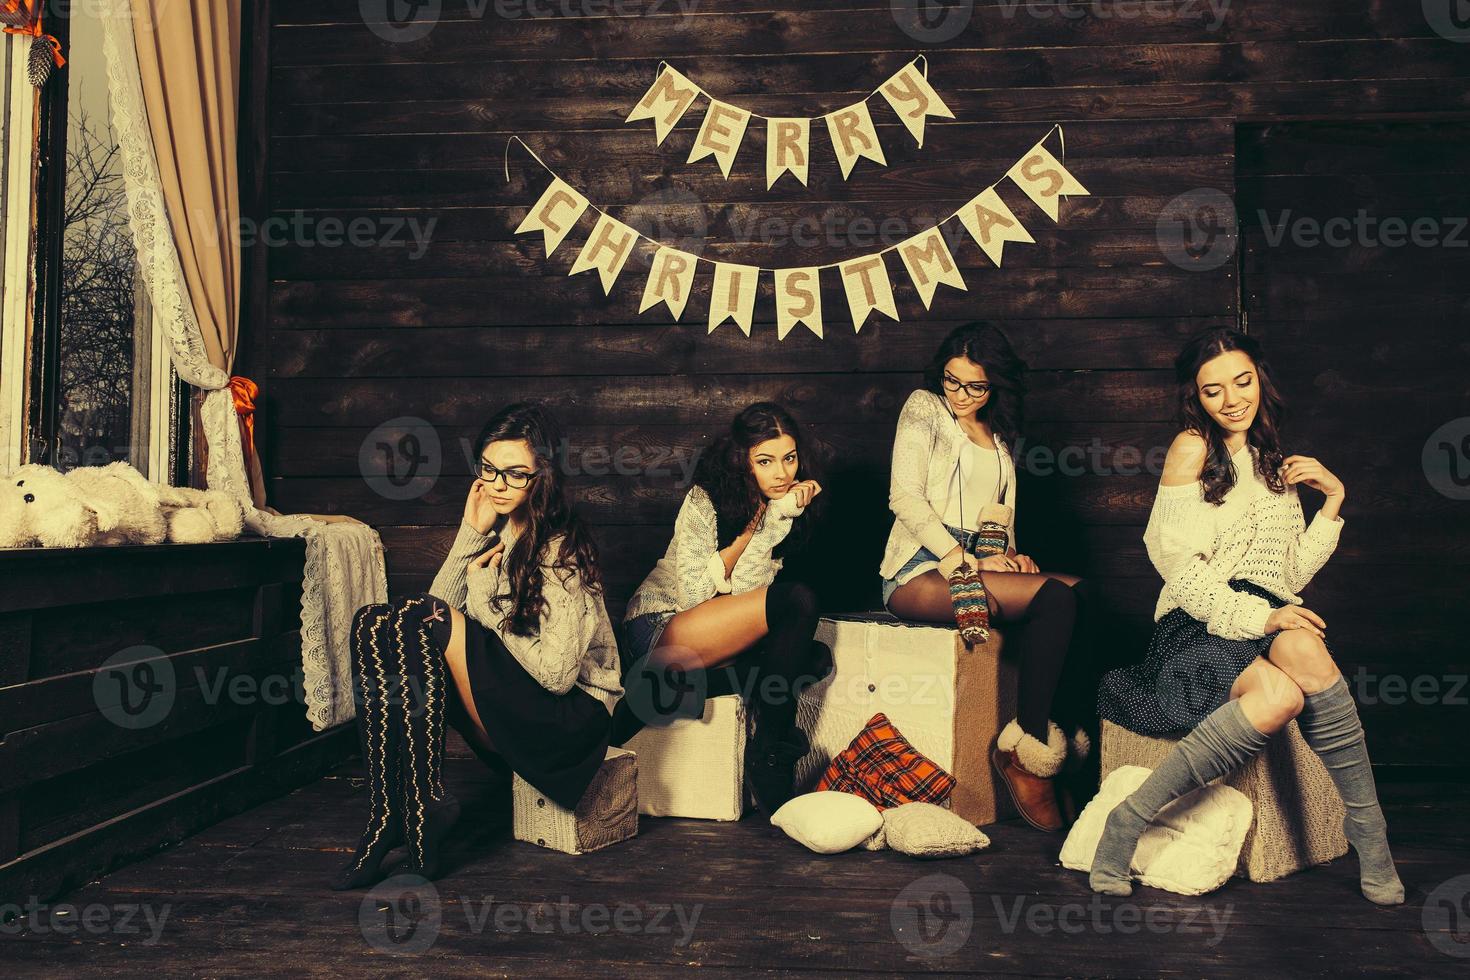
692,570
575,644
1253,534
926,451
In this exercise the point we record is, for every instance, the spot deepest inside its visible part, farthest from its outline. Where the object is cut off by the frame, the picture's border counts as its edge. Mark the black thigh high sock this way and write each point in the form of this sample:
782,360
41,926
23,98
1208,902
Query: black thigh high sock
1040,641
787,663
378,734
430,811
1075,703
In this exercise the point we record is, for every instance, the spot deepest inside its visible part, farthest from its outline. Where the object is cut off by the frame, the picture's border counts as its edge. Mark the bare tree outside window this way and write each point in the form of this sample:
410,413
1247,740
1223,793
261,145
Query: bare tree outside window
104,395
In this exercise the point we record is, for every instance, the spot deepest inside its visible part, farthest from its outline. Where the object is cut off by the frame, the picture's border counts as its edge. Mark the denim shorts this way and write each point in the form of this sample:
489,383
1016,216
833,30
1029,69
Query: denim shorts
923,555
640,635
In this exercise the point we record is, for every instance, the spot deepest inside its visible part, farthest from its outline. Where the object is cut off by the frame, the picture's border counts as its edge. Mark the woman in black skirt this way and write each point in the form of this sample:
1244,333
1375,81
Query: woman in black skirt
1235,655
511,644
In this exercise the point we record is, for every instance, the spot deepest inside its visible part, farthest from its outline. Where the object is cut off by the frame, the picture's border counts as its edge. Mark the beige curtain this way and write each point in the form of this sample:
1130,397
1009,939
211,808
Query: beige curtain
173,73
189,64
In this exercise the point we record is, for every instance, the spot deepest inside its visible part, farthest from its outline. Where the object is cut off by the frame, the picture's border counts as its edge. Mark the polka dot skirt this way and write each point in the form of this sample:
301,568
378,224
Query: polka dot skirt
1186,674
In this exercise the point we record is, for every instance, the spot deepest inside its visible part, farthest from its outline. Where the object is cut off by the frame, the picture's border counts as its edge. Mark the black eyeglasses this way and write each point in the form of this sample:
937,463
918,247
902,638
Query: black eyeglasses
974,389
515,479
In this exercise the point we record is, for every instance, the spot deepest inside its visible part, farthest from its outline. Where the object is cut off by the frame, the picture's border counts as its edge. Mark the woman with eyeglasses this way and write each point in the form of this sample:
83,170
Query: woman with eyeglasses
711,616
1234,655
512,645
952,454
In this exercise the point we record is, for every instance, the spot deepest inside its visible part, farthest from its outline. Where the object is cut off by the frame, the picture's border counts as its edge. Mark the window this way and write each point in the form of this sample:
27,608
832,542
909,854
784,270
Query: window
101,386
17,142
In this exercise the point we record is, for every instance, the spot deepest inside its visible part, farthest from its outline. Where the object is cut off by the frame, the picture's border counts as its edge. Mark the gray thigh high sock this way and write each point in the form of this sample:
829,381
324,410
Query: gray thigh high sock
1330,725
1221,743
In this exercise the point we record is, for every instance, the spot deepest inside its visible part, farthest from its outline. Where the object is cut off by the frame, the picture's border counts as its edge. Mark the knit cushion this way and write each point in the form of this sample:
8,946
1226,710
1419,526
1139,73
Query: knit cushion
883,768
828,822
928,831
1191,846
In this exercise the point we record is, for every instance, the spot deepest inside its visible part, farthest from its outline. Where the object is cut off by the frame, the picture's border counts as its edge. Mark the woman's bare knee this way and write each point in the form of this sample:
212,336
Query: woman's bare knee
1303,656
1268,696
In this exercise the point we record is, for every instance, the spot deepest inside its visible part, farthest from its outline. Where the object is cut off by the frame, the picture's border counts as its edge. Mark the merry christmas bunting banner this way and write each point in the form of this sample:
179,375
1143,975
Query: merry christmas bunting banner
926,257
788,140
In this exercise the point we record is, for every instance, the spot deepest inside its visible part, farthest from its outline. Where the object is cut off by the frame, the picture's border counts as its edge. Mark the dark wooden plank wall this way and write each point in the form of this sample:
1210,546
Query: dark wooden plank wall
346,339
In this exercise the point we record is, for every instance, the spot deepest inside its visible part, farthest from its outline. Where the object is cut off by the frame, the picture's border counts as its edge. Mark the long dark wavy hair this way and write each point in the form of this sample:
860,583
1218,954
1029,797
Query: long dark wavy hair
547,515
725,473
1218,474
982,342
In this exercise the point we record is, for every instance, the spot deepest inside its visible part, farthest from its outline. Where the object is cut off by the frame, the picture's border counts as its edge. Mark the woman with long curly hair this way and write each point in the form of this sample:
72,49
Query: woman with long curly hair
712,610
1234,654
952,455
512,645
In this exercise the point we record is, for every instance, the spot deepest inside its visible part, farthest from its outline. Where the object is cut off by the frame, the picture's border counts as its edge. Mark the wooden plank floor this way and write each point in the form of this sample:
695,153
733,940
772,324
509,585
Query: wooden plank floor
248,898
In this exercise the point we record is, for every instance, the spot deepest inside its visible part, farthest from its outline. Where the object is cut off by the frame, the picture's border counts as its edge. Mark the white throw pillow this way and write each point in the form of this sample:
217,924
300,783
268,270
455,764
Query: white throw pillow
828,822
1191,847
928,831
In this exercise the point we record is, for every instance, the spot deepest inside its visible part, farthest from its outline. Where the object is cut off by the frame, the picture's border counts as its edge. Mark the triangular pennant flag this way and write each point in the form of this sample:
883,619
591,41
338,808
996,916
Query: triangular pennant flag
929,263
733,295
720,135
853,135
787,145
606,250
1044,179
669,280
554,213
665,102
909,94
865,280
992,224
798,300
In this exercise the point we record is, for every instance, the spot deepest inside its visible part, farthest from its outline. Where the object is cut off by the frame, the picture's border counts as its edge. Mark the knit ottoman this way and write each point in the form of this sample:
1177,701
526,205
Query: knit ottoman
695,767
606,814
948,701
1298,814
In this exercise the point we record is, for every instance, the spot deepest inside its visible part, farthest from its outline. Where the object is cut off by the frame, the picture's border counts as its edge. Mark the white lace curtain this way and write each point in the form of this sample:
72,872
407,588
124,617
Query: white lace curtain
344,560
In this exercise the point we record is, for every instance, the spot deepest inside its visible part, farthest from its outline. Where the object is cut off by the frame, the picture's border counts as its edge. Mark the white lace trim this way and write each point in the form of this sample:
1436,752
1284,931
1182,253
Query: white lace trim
147,212
344,568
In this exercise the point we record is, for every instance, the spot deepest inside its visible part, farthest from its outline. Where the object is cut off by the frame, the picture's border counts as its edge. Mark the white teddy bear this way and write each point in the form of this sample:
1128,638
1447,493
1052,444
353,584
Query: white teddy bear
112,504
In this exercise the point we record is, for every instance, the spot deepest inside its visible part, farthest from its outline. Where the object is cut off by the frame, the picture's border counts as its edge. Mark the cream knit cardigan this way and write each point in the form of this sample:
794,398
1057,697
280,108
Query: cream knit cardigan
692,570
925,452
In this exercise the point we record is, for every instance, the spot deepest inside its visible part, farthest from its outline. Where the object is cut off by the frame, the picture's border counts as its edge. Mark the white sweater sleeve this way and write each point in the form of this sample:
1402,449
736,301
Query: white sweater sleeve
699,570
913,444
1310,549
1180,542
554,654
756,568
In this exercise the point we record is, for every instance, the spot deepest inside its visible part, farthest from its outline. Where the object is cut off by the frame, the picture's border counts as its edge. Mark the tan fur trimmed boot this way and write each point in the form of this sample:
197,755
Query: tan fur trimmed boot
1027,767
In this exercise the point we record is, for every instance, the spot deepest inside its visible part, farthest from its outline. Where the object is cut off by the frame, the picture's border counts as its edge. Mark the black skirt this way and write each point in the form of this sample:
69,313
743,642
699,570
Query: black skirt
555,742
1186,674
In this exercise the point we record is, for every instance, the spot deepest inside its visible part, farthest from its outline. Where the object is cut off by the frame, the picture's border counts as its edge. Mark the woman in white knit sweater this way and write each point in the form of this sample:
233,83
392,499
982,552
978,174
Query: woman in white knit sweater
951,457
1235,655
711,616
511,644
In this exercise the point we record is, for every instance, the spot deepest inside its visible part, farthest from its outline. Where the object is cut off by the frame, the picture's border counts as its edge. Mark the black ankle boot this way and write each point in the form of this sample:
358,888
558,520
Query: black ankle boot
429,811
378,739
770,766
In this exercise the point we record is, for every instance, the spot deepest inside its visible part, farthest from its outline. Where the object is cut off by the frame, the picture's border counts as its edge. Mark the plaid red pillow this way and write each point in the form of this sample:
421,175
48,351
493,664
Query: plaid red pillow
883,768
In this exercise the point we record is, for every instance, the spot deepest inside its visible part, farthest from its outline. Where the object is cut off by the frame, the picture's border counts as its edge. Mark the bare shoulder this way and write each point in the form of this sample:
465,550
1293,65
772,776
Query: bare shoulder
1185,460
